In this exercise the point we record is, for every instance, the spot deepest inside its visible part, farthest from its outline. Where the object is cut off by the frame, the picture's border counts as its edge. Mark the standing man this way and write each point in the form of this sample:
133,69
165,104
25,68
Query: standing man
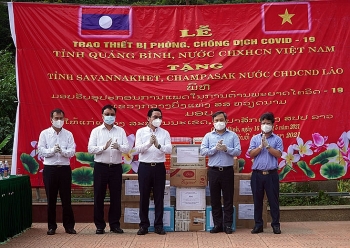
107,142
266,148
57,146
152,143
221,146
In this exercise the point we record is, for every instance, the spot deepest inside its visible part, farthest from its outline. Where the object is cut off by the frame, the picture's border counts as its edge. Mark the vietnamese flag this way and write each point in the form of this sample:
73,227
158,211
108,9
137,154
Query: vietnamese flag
282,18
105,21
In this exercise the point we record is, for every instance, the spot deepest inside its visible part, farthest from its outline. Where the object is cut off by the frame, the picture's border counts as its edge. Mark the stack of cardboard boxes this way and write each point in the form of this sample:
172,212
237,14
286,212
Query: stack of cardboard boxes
188,174
187,190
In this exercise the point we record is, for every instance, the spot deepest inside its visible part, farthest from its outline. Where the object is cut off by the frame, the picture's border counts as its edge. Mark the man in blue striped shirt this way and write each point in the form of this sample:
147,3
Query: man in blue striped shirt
221,146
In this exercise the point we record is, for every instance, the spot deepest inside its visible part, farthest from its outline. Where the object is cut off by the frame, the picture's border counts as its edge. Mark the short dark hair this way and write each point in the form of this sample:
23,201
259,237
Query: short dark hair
267,116
150,112
58,111
219,113
109,106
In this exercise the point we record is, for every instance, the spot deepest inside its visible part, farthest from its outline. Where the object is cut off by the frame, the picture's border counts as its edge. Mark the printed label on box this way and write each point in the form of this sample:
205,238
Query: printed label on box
246,211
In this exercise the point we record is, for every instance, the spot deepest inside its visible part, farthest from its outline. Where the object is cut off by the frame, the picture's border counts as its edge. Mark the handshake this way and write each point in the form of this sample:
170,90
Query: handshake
220,146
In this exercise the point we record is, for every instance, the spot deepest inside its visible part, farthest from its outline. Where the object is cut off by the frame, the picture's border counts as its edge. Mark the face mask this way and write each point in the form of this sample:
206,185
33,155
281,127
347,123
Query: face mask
58,123
109,120
156,122
220,125
266,128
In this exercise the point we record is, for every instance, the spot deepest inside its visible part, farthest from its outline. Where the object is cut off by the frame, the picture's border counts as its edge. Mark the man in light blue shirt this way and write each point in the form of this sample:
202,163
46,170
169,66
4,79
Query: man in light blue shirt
266,148
221,146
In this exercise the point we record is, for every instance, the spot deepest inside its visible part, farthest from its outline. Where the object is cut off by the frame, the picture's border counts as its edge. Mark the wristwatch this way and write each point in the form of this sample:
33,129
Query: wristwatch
268,147
159,146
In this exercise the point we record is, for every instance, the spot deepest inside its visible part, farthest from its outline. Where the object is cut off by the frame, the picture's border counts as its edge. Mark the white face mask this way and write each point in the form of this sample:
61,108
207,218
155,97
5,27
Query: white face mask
219,125
157,122
58,123
266,128
109,119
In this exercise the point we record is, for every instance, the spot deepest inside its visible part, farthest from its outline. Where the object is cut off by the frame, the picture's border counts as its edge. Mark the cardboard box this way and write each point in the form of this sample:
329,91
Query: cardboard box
131,218
210,223
190,198
187,156
131,193
192,221
245,214
188,177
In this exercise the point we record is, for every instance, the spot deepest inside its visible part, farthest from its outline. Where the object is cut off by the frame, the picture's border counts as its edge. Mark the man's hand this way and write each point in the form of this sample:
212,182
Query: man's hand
156,141
115,145
57,148
264,142
107,144
220,146
151,140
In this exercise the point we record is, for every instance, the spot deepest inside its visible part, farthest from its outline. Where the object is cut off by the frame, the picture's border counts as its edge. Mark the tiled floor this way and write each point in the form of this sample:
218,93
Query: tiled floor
331,234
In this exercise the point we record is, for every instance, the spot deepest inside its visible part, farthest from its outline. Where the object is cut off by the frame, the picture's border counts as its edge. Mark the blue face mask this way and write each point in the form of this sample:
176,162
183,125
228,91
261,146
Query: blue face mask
109,120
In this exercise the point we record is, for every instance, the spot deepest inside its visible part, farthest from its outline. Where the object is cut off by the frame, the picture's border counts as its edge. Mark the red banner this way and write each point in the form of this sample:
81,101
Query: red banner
190,61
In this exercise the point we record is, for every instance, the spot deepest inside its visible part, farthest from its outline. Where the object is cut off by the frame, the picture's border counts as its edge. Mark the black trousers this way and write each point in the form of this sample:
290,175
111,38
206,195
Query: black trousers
270,184
221,181
151,177
112,177
58,179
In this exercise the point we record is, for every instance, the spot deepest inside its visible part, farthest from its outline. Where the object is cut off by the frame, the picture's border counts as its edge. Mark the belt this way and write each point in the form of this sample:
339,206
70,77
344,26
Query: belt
266,172
221,168
153,164
109,165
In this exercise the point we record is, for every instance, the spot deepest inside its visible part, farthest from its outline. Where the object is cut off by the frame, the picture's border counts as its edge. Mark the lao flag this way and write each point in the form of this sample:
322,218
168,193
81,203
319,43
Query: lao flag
283,18
105,22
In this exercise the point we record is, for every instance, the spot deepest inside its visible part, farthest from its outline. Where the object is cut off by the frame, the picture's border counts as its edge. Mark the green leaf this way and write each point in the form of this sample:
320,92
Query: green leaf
332,170
29,163
322,158
85,158
306,169
126,168
83,176
241,163
286,169
4,142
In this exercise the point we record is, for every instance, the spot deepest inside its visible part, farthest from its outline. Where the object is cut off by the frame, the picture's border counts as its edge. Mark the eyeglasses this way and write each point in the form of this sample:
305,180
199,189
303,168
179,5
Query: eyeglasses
156,117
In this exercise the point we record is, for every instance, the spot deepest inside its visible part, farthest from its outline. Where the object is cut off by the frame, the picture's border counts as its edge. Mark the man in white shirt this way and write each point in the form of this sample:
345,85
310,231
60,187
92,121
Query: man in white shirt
56,145
107,142
152,143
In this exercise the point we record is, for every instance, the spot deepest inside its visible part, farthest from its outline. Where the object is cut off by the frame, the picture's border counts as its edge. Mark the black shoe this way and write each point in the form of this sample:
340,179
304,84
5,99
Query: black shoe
159,230
142,231
228,230
257,230
216,229
117,230
276,230
51,232
71,231
100,231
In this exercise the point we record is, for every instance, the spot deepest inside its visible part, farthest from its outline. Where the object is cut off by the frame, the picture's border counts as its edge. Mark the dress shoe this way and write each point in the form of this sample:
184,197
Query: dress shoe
257,230
71,231
159,231
117,230
276,230
100,231
216,229
51,232
228,230
142,231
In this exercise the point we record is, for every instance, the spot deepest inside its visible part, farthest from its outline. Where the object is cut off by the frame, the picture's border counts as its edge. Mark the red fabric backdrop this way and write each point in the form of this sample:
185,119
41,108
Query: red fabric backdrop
190,61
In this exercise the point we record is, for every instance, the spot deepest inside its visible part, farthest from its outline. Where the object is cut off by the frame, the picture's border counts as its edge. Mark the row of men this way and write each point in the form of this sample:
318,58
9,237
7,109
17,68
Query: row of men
108,141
